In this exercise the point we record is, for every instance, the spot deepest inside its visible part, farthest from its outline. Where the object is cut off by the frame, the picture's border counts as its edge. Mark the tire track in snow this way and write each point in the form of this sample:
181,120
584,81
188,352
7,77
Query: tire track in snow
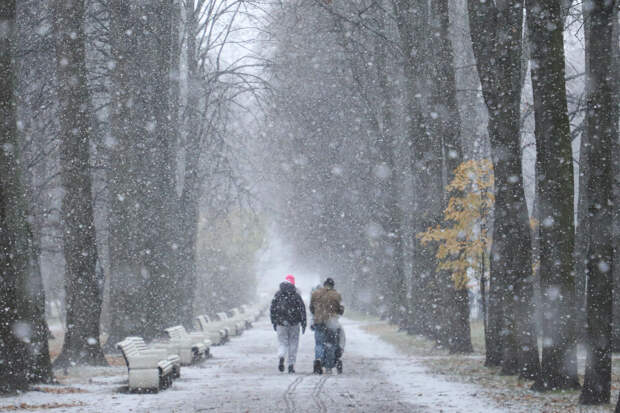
316,394
290,391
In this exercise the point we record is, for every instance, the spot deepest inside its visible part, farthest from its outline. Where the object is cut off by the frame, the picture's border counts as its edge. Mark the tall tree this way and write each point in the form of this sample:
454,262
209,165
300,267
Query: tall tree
496,33
385,181
581,233
142,157
127,283
389,212
616,219
82,286
32,160
601,132
554,184
446,124
412,19
160,195
14,249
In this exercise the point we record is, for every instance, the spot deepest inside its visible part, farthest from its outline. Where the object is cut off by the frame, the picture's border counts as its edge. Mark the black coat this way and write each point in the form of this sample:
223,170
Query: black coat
287,307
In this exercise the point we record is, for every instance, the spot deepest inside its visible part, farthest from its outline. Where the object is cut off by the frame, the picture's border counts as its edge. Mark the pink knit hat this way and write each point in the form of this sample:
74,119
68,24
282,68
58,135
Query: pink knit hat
290,279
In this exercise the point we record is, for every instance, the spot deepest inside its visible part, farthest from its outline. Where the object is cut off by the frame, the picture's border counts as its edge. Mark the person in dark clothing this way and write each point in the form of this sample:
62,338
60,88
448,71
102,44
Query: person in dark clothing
288,314
326,307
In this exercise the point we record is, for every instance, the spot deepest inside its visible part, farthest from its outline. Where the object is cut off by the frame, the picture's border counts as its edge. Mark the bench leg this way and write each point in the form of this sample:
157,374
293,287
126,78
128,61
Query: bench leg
165,381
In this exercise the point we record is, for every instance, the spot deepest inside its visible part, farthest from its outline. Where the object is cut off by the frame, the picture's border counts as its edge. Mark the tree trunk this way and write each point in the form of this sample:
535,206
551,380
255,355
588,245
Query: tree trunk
33,304
40,365
460,340
601,133
426,163
616,218
190,194
125,236
13,228
496,32
447,124
483,299
83,292
554,183
150,281
495,317
387,208
581,233
163,309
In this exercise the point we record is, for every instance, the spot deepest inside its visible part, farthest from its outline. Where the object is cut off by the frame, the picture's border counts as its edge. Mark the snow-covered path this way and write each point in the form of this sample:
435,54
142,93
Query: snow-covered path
242,376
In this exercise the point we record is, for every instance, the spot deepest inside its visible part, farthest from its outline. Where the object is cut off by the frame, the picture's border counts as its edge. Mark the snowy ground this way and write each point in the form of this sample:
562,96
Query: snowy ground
242,376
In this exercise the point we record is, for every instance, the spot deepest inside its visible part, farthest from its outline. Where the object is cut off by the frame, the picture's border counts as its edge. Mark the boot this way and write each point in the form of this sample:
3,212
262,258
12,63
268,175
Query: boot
339,366
291,368
317,367
281,364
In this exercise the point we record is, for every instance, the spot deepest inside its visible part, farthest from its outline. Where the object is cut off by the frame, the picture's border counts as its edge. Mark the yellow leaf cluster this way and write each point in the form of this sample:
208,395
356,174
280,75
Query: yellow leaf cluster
463,237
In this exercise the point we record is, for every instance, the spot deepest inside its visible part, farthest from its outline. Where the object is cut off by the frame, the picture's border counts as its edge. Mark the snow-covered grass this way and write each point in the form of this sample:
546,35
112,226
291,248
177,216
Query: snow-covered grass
417,384
507,391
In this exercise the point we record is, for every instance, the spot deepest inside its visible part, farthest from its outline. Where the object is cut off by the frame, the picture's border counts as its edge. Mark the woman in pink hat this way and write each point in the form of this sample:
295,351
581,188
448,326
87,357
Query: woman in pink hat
288,313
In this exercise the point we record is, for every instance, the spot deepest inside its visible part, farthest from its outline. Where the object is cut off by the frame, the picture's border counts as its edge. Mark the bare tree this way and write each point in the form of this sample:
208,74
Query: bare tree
601,133
167,122
554,174
83,289
413,22
127,284
496,33
14,250
446,124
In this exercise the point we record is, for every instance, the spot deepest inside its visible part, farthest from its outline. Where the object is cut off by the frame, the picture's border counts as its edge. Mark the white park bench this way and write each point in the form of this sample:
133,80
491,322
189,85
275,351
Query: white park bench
217,334
237,315
226,325
235,326
251,312
169,351
149,369
192,347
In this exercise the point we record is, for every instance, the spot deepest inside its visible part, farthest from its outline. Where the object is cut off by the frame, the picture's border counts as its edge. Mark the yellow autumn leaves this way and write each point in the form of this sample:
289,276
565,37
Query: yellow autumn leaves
463,239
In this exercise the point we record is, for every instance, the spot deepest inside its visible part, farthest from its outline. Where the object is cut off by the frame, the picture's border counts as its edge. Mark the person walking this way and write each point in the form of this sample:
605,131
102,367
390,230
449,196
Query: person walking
326,307
288,314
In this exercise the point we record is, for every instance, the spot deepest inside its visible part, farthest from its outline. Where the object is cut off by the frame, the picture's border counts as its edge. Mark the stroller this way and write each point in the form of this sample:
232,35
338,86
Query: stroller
336,337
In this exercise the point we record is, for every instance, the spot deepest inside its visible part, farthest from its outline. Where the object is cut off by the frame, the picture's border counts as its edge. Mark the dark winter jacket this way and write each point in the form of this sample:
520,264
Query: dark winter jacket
287,307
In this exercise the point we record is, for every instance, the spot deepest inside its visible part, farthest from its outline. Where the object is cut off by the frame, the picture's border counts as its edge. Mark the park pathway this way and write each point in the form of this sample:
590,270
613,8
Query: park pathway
242,377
